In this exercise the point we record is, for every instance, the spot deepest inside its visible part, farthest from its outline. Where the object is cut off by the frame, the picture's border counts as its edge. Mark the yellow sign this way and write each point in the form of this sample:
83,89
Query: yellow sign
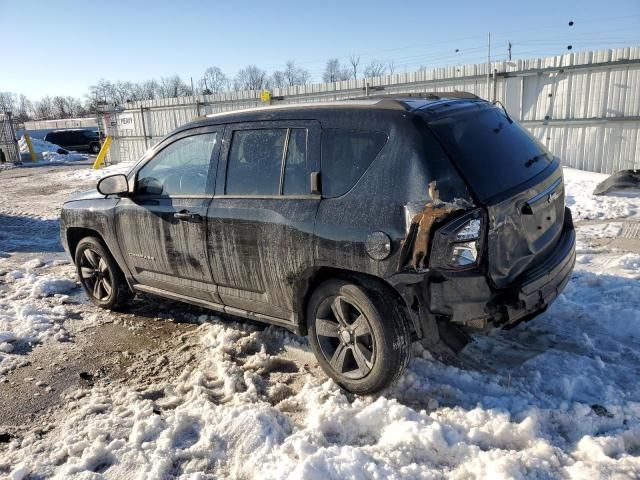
265,96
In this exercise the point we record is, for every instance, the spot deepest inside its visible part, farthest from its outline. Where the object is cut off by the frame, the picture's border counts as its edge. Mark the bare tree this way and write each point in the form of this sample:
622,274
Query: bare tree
278,79
174,86
8,102
391,67
354,60
214,81
250,78
374,69
334,72
60,107
43,109
145,90
295,75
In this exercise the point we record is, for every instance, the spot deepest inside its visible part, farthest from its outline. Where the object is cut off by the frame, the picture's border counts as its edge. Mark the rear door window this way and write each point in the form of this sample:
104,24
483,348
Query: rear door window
346,154
493,152
268,162
255,162
296,177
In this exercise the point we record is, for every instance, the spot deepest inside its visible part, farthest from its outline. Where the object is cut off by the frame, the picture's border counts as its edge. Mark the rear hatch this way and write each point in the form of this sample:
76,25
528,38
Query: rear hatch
512,175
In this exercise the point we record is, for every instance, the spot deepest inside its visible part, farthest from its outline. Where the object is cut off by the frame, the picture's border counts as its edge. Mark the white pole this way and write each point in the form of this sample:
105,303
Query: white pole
488,64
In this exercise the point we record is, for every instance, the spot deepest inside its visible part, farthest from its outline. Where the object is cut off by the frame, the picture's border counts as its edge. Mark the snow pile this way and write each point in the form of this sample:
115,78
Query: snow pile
586,206
91,174
554,398
24,317
39,146
48,151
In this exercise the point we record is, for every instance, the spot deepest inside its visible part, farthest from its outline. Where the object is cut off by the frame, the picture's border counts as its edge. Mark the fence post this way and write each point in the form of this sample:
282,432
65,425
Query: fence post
103,153
32,153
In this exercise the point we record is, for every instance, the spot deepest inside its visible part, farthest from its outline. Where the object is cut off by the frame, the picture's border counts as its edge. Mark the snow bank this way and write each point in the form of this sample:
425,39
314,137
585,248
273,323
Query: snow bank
91,174
586,206
24,317
48,152
555,398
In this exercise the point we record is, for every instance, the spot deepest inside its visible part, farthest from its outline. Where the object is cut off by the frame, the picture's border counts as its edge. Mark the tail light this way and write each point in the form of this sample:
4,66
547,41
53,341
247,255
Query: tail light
457,245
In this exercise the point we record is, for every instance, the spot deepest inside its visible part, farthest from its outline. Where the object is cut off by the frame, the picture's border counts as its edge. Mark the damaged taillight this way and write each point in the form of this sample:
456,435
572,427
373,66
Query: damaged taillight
457,245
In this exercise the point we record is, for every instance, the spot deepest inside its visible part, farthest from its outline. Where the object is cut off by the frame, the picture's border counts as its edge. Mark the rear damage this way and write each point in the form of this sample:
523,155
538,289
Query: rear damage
495,261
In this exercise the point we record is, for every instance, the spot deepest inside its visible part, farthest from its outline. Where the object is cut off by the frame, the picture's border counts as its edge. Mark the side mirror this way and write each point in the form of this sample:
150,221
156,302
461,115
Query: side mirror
114,185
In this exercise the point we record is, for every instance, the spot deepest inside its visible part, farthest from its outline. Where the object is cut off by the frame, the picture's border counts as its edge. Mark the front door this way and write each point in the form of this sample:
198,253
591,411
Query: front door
260,225
162,226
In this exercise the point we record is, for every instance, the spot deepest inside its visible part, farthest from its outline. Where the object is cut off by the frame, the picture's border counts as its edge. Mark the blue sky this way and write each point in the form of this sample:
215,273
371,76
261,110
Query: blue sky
61,47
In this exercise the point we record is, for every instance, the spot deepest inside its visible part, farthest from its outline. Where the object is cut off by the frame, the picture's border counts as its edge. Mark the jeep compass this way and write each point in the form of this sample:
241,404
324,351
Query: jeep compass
364,224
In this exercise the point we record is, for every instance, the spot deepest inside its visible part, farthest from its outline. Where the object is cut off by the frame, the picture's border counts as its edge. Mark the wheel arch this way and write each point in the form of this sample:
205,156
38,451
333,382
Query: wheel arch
75,234
313,277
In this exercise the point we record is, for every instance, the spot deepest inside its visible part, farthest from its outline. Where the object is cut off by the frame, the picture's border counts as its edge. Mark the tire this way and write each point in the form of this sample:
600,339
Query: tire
94,148
100,276
377,347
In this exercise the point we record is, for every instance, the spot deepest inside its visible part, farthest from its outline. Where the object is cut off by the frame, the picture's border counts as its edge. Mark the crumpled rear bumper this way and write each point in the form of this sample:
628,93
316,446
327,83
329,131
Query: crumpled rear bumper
469,299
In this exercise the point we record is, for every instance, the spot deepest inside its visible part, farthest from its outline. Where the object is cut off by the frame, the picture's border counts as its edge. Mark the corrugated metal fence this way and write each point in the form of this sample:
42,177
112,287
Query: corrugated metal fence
584,106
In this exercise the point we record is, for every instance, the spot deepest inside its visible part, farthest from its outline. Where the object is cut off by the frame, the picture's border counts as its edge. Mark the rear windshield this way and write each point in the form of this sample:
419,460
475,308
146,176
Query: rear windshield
493,152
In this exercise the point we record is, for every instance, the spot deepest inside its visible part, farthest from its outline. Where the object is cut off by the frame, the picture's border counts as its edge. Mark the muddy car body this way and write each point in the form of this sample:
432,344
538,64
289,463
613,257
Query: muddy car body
375,221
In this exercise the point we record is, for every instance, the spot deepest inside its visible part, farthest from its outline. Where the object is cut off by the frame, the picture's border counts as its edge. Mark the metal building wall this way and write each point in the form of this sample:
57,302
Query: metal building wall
62,123
584,106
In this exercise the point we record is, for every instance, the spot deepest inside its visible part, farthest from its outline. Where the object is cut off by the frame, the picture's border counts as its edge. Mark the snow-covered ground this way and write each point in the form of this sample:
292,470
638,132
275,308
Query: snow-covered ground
558,397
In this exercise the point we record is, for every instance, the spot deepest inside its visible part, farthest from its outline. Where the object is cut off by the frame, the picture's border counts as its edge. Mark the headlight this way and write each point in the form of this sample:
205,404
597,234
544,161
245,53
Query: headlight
458,244
470,231
464,254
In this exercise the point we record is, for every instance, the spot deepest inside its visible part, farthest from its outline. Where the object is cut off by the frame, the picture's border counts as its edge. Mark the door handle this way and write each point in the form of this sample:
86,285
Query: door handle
185,215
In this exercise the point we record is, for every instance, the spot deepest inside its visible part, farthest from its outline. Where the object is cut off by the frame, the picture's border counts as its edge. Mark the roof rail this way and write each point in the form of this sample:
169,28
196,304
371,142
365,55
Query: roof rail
425,95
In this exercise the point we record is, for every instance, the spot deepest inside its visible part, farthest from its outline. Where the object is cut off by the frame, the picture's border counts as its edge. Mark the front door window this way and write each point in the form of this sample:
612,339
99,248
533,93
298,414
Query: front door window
180,169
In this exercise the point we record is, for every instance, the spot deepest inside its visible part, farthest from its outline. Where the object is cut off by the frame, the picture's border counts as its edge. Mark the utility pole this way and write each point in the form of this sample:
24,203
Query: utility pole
509,50
488,64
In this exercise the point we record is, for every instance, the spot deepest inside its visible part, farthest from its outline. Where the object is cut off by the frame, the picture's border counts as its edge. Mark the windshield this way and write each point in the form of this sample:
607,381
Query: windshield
494,152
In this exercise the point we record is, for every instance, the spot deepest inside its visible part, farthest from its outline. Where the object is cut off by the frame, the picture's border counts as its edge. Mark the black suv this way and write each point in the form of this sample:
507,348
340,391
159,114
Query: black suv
363,224
75,139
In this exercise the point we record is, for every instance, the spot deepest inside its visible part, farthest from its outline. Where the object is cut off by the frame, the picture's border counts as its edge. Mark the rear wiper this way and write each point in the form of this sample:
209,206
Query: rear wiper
534,159
506,114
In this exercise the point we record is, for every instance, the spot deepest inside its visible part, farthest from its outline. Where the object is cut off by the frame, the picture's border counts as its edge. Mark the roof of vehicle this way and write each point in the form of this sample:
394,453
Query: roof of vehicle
382,103
72,130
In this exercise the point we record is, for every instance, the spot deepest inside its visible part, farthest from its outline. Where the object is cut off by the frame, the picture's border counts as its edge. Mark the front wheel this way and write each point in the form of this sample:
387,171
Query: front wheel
100,275
361,338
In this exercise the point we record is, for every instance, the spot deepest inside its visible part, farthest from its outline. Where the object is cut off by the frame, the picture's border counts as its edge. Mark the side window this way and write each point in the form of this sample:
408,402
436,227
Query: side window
64,139
254,163
181,168
346,154
295,171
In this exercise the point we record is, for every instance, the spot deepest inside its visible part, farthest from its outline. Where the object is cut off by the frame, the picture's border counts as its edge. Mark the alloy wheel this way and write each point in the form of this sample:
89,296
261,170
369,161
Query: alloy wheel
95,275
345,337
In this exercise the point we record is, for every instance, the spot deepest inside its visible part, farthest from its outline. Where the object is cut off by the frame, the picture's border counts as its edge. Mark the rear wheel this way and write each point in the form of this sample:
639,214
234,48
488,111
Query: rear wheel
100,275
361,339
94,148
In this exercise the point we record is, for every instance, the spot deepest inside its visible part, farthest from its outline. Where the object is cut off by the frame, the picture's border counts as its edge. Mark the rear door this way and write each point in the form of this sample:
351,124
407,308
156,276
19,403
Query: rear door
260,222
162,227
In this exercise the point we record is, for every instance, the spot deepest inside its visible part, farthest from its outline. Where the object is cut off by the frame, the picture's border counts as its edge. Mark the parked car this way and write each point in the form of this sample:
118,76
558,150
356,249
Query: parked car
79,139
362,224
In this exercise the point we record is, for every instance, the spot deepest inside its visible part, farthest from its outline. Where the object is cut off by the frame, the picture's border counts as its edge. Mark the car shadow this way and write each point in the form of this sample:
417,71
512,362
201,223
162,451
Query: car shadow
21,233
